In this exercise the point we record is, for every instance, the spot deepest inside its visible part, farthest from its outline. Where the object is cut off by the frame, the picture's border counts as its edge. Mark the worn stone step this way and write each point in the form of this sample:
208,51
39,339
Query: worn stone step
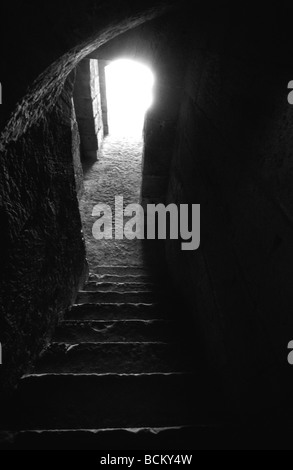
139,270
105,401
223,436
120,358
109,311
85,297
185,437
121,287
73,332
136,278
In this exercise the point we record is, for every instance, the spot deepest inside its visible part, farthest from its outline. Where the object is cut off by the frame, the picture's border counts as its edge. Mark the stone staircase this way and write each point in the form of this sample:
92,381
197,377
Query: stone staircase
118,374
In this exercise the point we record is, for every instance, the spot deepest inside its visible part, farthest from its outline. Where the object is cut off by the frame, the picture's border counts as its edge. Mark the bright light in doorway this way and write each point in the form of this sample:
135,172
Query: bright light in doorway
129,95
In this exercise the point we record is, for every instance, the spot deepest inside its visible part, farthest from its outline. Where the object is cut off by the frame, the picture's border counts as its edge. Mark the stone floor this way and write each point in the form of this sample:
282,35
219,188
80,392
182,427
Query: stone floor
118,172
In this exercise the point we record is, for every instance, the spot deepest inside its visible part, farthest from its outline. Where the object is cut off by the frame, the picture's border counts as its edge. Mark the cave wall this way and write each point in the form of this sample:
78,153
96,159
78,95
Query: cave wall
76,140
88,108
42,250
76,155
234,156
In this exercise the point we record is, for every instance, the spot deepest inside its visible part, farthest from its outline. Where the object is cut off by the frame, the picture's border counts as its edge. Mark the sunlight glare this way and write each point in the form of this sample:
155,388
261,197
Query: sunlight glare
129,95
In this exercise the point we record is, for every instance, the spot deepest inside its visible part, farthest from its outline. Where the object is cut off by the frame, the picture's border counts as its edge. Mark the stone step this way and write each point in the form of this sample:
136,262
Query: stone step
113,311
122,287
121,270
117,439
222,436
119,358
69,401
136,278
73,332
85,297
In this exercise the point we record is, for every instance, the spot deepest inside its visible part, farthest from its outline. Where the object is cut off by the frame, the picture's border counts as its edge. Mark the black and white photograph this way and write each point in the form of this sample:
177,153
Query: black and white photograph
146,228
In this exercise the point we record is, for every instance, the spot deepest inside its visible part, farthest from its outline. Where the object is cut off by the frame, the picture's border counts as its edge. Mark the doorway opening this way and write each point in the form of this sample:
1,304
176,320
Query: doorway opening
129,89
111,100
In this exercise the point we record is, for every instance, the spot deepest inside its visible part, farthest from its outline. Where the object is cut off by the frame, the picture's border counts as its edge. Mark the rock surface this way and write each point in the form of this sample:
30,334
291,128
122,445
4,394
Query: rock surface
117,173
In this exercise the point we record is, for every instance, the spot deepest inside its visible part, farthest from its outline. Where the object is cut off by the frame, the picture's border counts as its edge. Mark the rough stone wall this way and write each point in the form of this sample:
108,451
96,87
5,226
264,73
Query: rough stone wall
59,33
97,101
42,251
87,101
103,93
78,170
233,155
